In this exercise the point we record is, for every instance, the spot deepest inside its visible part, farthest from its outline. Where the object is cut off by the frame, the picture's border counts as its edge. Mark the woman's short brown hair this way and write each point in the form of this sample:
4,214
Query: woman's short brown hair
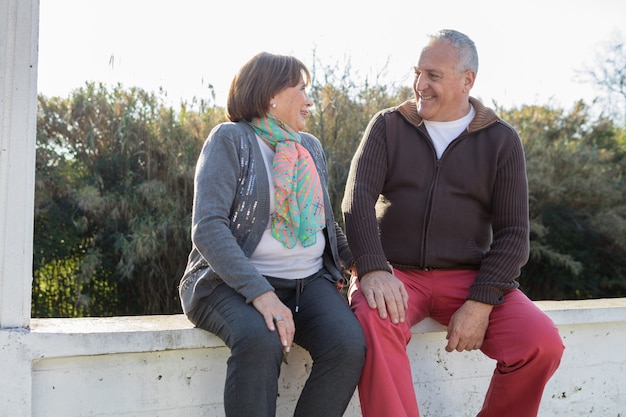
260,79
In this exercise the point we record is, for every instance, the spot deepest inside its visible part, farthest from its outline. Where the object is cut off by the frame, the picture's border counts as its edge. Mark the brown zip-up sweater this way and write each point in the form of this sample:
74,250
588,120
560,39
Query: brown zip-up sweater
467,210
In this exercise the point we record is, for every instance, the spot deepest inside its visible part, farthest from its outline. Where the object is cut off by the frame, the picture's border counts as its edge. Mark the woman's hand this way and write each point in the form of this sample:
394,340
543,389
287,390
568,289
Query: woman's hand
277,317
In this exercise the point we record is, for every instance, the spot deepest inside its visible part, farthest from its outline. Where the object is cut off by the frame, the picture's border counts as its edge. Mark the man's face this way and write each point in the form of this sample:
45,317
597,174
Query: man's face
441,92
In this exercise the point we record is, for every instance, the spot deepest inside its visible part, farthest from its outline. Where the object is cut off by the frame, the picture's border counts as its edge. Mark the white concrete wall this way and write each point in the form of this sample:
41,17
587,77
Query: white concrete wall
161,366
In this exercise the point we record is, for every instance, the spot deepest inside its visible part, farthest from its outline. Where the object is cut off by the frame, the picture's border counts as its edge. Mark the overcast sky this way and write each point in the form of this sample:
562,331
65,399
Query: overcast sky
529,50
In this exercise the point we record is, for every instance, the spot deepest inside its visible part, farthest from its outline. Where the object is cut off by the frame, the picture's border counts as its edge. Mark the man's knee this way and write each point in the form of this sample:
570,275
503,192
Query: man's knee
552,348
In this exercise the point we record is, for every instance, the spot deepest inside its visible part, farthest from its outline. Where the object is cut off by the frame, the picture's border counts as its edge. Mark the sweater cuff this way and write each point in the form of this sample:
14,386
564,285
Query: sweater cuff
486,294
369,263
252,291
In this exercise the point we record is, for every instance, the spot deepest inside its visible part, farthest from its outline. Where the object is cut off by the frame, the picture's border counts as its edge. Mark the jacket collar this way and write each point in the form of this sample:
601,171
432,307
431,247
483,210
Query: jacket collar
483,118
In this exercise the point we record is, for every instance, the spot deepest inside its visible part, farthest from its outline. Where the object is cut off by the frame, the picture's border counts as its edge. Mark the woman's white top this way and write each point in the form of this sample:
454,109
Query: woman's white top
270,256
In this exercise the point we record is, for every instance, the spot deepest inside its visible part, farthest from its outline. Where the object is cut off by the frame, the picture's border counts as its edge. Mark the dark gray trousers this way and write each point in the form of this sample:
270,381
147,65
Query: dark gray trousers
325,327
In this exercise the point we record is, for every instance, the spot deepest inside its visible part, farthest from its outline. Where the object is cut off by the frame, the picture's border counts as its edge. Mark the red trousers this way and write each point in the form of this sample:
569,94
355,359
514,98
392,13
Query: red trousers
520,337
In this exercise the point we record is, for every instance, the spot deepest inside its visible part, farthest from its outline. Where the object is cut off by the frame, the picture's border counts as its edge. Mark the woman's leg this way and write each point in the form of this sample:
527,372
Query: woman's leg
253,368
329,331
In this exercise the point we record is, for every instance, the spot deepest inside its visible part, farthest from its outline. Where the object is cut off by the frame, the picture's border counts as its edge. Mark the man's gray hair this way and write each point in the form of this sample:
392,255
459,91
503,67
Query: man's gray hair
468,56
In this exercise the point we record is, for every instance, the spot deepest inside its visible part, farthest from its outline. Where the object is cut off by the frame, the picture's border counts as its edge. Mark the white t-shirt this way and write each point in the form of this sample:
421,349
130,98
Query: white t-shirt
443,133
273,259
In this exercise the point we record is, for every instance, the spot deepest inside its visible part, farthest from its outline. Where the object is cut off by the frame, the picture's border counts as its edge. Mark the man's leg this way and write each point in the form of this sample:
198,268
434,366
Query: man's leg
520,337
386,384
528,349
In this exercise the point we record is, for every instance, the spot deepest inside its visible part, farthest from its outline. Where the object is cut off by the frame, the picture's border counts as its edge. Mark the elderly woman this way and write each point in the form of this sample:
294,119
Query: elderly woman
267,253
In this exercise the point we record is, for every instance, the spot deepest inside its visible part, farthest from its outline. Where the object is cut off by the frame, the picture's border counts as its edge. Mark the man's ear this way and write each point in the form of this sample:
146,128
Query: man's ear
468,80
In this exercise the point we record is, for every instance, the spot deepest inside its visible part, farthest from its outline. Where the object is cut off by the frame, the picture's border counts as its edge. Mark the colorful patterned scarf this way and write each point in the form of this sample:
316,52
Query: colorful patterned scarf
299,210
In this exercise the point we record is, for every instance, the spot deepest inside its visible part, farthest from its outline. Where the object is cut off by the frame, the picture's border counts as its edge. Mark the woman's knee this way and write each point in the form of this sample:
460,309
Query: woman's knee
352,344
355,352
258,340
347,343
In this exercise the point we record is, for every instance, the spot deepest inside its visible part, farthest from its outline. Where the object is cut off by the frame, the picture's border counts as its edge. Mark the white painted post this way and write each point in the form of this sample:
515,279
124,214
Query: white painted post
19,29
19,32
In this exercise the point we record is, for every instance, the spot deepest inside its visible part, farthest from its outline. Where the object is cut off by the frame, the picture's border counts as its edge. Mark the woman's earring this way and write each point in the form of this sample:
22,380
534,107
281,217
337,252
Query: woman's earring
273,105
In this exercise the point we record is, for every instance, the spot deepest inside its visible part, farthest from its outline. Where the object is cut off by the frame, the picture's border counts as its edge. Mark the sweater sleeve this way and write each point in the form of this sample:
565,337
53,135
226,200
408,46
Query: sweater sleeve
363,187
510,246
217,177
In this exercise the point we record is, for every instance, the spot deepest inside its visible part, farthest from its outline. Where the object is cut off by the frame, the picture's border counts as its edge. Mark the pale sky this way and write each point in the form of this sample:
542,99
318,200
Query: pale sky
529,50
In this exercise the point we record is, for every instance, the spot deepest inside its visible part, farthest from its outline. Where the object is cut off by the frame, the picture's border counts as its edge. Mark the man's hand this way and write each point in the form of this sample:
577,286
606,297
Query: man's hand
277,317
385,292
468,326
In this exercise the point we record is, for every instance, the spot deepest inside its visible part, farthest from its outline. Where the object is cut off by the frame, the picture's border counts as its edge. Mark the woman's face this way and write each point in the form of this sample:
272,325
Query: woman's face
291,106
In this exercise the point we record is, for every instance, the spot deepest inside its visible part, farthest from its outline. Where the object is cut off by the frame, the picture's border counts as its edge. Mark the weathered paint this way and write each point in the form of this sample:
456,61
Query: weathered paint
162,366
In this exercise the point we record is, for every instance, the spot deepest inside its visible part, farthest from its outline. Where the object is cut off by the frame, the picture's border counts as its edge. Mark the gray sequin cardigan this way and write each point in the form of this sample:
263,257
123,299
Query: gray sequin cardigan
231,210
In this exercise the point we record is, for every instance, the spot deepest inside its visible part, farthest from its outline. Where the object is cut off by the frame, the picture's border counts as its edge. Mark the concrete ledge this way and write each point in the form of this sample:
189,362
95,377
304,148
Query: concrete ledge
176,332
161,365
98,336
